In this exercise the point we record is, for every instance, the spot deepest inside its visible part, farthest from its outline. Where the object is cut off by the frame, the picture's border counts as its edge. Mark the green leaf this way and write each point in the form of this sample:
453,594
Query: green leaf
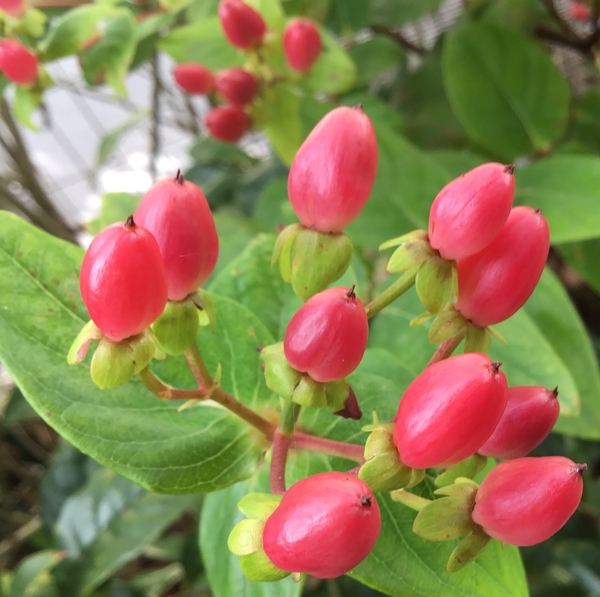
584,257
283,126
115,207
585,127
567,190
348,16
109,142
505,90
152,25
33,578
398,12
273,208
456,162
157,582
26,102
271,12
208,150
381,113
373,57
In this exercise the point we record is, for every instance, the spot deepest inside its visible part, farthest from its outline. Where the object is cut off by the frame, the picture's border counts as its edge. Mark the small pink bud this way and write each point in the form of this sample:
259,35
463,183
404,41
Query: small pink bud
236,85
227,123
15,8
244,28
301,44
194,78
18,64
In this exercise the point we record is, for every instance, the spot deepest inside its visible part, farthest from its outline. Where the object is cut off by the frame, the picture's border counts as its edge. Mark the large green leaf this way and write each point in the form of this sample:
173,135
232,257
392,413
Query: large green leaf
398,12
584,258
505,90
374,57
271,12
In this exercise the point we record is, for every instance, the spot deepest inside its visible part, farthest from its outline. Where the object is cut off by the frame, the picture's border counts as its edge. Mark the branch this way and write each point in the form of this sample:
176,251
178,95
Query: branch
155,116
397,36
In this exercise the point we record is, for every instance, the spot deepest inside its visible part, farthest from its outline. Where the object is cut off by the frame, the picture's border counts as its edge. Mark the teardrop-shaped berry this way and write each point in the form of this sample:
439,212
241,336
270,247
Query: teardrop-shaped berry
176,212
236,85
530,414
325,525
496,282
194,78
327,336
123,281
301,44
449,411
15,8
469,212
18,64
244,28
334,170
525,501
228,123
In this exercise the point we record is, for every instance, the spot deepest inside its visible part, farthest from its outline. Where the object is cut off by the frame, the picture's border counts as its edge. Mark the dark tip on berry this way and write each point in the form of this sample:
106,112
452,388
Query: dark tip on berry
259,348
366,501
539,211
351,294
129,223
179,177
581,468
554,392
510,169
358,108
496,366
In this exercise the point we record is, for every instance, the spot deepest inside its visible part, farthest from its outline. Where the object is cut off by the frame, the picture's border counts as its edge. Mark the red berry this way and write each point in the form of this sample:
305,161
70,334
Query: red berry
177,214
530,414
15,8
327,336
244,28
579,11
301,44
236,85
449,411
469,212
334,170
194,78
495,283
325,525
525,501
228,123
17,63
123,281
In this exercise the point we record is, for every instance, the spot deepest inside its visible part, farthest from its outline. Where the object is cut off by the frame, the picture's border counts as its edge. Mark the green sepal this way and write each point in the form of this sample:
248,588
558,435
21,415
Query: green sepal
494,332
79,349
462,488
467,550
246,537
176,328
410,236
280,377
448,324
285,239
409,254
477,339
444,519
207,314
257,567
259,505
336,393
144,348
435,283
420,319
309,392
468,468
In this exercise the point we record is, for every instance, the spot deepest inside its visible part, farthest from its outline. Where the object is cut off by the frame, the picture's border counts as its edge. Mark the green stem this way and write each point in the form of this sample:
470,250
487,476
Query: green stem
284,435
198,367
303,441
390,294
446,348
415,502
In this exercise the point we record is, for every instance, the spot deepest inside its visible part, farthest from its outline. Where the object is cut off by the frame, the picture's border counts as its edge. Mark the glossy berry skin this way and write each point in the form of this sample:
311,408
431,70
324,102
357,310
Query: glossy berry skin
15,8
449,411
194,79
228,124
327,336
530,414
237,86
334,170
469,212
176,212
243,27
496,282
525,501
301,44
123,281
17,63
325,525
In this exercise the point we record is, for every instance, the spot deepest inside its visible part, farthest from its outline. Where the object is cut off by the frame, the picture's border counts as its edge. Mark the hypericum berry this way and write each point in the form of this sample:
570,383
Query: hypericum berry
123,281
228,123
469,212
449,411
327,336
301,44
237,86
194,78
17,63
176,212
15,8
579,11
244,28
495,283
325,525
334,170
530,414
525,501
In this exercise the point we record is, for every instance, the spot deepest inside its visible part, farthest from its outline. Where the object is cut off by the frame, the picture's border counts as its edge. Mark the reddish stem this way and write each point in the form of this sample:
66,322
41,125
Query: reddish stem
303,441
445,349
281,445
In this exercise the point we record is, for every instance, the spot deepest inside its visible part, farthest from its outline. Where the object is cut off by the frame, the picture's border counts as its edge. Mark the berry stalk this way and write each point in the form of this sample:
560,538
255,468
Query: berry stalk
445,349
303,441
284,435
390,294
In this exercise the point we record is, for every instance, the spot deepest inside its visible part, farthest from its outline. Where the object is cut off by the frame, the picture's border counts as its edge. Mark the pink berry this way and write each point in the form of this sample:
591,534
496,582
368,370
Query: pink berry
194,78
17,63
327,336
495,283
334,170
301,44
244,28
325,525
449,411
176,212
469,212
525,501
530,414
123,281
15,8
237,86
579,11
227,123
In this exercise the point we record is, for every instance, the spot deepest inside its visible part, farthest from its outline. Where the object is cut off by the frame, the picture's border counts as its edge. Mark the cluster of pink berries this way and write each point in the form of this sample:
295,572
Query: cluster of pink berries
245,29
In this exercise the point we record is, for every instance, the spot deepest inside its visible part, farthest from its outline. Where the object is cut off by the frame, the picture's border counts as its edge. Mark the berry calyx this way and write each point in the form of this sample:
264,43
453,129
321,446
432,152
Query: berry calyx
244,28
496,282
236,85
301,44
449,411
525,501
327,336
325,525
17,63
228,123
530,414
194,79
176,212
334,170
123,281
14,8
469,212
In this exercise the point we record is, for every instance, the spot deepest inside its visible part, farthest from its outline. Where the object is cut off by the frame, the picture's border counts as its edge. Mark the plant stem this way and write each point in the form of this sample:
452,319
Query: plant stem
198,367
445,349
415,502
390,294
303,441
284,435
164,392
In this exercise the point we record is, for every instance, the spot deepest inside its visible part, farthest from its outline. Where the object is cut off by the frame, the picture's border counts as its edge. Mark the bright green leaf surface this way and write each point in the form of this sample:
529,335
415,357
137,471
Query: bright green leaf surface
271,12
